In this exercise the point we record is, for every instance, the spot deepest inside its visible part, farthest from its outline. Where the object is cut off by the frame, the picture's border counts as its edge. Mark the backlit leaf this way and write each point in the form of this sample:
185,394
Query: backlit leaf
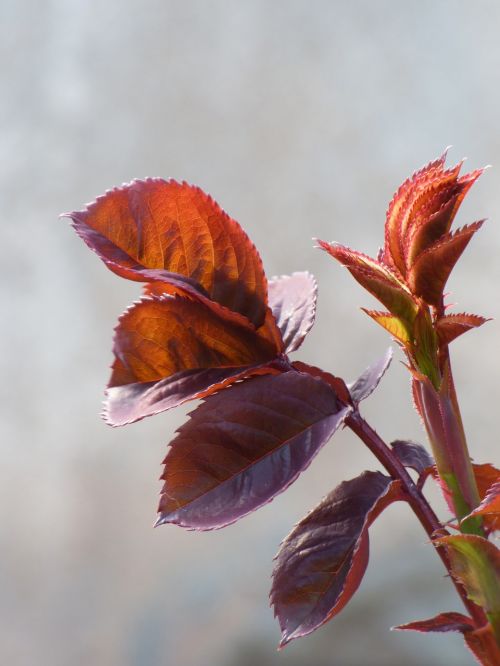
322,562
292,299
392,324
376,278
337,383
245,445
475,562
163,231
490,506
171,349
430,272
368,381
451,326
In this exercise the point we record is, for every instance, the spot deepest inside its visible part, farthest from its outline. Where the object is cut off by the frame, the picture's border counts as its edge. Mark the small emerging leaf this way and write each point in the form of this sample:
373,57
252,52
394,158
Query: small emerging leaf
392,324
490,506
245,445
451,326
430,272
368,381
322,562
413,455
441,623
292,299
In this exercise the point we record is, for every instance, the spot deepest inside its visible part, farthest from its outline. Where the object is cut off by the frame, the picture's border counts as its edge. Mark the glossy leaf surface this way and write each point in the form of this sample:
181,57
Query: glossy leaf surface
245,445
413,455
368,381
173,346
164,231
322,562
292,299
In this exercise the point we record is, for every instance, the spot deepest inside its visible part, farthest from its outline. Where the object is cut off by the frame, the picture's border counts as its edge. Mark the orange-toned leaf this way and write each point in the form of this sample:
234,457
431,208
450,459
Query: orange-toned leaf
451,326
431,270
161,341
376,278
395,326
399,207
490,506
164,231
487,476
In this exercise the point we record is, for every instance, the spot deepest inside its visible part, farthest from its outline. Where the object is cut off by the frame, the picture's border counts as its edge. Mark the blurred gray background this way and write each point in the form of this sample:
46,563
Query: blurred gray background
301,119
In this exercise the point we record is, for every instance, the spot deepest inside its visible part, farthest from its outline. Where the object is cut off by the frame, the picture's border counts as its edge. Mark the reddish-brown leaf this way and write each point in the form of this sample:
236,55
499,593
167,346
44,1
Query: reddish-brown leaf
451,326
486,476
337,383
292,299
171,349
163,231
376,278
483,646
399,208
245,445
322,562
441,623
490,506
430,272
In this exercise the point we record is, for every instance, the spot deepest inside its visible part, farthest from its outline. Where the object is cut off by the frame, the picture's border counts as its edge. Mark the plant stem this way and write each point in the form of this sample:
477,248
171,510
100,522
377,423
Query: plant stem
422,509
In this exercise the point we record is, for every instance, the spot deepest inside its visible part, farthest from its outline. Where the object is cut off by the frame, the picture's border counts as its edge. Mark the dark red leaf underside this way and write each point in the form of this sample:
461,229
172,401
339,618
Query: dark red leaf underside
157,230
292,299
413,455
441,623
368,381
322,562
168,340
245,445
430,272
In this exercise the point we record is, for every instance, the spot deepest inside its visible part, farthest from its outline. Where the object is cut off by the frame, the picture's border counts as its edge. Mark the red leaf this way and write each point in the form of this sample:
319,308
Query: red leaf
413,455
292,299
442,622
490,506
430,272
245,445
399,208
451,326
368,381
176,349
483,646
157,230
322,562
337,383
376,278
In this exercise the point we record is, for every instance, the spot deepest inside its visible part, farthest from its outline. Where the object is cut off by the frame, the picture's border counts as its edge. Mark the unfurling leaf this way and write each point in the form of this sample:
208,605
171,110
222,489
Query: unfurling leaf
245,445
173,349
413,455
490,506
292,299
475,563
368,381
430,272
376,278
163,231
451,326
441,623
322,562
397,328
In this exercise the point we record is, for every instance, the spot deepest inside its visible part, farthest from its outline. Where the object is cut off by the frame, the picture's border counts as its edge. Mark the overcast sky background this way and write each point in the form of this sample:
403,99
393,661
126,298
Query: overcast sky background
301,118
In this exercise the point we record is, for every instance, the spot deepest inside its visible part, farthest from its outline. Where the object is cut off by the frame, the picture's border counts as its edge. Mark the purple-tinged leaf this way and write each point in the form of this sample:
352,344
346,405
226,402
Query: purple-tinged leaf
132,402
172,349
441,623
337,383
368,381
245,445
413,455
322,561
292,299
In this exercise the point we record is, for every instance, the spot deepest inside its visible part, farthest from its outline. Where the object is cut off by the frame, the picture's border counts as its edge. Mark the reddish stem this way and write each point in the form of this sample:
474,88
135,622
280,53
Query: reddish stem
422,509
